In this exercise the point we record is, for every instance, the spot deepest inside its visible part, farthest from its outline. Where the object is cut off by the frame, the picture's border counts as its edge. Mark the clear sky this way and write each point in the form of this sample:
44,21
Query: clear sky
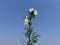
46,23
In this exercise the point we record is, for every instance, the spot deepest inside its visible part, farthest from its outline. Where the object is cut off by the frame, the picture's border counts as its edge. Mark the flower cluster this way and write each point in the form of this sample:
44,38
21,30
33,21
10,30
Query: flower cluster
32,11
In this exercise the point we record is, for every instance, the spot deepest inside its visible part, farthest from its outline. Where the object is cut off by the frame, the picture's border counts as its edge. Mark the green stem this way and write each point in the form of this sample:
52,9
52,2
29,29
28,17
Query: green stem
29,40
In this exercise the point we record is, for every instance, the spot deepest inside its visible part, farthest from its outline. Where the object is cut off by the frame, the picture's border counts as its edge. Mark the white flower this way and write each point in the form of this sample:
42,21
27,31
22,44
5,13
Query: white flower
35,12
31,9
26,21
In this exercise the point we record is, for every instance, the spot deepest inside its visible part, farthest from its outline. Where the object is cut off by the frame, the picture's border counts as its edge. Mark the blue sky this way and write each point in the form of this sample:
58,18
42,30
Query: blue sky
46,23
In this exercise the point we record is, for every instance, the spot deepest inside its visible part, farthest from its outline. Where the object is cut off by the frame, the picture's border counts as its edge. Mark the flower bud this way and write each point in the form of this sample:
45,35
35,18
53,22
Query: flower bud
26,21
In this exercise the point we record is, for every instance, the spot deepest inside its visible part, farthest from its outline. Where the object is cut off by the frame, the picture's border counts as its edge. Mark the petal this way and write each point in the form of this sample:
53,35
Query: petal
35,12
26,21
31,9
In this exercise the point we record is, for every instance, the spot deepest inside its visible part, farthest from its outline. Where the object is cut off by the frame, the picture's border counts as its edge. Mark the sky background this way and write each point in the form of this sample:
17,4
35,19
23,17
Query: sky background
46,23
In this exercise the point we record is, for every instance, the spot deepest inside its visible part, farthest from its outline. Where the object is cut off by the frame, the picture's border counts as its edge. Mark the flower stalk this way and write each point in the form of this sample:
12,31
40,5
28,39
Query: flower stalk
30,34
